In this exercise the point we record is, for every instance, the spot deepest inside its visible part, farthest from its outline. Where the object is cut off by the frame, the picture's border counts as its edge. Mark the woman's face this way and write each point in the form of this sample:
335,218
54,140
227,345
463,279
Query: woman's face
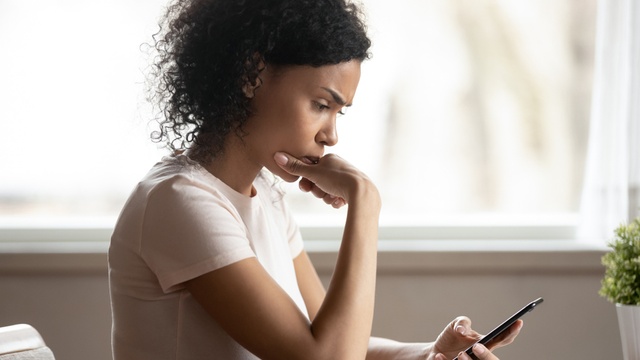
295,111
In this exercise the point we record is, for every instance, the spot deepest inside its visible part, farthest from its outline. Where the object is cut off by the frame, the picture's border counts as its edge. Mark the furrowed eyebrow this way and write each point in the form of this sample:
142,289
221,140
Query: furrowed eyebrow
336,97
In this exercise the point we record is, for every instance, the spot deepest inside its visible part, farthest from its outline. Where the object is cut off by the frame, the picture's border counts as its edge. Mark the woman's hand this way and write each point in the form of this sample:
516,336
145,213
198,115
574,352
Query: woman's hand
481,353
331,179
342,322
458,336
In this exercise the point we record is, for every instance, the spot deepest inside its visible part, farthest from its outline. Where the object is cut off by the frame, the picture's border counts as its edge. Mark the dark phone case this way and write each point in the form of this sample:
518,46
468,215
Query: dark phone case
502,327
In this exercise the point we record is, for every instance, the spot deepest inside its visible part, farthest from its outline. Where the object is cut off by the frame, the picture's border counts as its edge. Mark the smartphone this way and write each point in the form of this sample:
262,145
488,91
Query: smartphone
502,327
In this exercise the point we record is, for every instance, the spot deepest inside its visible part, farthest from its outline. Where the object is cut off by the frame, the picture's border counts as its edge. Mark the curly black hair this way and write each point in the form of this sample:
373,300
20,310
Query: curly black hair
209,50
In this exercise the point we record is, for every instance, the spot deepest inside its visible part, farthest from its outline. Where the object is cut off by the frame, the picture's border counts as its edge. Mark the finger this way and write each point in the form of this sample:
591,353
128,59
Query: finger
335,201
507,337
483,353
462,326
338,203
305,184
321,194
329,199
290,164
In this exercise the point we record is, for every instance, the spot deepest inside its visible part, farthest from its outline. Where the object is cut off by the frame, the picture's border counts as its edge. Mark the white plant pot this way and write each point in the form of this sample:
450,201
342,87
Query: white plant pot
629,322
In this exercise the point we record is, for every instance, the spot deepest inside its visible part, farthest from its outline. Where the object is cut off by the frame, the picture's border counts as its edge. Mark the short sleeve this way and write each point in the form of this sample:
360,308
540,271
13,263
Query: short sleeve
190,230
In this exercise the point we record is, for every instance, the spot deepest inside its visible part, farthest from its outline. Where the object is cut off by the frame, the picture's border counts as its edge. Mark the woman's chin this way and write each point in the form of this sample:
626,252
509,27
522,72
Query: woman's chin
284,175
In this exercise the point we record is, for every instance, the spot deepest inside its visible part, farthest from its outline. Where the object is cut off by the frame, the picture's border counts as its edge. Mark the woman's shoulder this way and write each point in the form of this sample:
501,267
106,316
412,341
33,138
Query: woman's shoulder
172,166
178,176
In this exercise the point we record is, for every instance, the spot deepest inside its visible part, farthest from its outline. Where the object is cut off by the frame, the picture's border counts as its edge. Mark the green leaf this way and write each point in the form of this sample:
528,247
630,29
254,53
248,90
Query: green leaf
621,282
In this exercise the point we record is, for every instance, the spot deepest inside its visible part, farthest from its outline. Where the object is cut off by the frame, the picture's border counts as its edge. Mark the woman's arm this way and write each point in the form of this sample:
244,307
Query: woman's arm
258,314
313,293
455,337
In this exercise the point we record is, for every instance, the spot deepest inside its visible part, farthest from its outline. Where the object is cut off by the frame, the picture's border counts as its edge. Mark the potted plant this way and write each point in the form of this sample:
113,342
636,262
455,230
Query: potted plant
621,285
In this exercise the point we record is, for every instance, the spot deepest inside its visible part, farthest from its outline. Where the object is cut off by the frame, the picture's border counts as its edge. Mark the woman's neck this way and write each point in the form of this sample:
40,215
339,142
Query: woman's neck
232,166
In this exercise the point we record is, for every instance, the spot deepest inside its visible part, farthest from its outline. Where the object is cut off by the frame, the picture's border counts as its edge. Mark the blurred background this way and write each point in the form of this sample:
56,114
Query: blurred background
467,108
472,117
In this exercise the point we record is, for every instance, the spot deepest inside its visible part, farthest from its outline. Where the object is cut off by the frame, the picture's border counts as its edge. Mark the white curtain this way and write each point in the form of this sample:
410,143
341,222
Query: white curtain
611,189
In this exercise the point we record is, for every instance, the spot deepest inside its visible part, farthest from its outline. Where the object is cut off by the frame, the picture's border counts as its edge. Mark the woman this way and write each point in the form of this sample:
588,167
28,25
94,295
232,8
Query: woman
205,260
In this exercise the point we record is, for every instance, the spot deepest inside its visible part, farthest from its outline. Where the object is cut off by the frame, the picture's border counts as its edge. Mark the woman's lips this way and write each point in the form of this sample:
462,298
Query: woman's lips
310,160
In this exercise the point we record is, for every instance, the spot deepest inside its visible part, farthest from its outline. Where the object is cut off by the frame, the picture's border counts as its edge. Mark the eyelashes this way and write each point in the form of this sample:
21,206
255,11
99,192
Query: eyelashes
322,107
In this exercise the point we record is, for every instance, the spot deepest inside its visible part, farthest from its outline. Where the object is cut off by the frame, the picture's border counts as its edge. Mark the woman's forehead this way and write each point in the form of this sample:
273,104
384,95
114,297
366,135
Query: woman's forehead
339,81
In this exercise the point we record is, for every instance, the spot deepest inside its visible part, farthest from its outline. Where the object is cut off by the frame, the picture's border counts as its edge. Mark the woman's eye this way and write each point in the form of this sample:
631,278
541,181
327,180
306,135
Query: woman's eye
321,106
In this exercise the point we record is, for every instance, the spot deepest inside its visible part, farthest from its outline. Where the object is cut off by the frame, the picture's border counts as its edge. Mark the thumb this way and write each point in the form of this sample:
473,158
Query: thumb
290,164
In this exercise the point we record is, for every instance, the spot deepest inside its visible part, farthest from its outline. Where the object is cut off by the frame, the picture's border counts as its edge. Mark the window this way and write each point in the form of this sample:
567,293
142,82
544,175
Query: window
75,137
474,112
468,113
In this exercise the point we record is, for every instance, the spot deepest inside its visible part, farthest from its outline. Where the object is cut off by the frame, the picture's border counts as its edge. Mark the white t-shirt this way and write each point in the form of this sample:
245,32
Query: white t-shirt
179,223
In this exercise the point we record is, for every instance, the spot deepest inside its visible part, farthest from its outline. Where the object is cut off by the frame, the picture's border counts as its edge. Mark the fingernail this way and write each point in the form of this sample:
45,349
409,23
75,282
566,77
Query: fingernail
281,158
479,349
461,330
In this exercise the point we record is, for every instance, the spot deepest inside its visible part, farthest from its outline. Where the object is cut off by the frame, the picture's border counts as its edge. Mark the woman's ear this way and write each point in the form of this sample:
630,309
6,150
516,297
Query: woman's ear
249,89
252,80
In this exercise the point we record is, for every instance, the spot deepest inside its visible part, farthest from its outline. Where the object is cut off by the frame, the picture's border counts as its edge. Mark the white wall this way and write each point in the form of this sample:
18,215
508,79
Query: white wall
65,295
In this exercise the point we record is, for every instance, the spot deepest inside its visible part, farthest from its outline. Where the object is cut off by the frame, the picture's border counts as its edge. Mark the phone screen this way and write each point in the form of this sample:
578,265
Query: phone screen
502,327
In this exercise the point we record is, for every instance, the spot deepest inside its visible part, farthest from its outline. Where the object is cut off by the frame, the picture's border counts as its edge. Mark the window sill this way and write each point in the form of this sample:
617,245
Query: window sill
405,256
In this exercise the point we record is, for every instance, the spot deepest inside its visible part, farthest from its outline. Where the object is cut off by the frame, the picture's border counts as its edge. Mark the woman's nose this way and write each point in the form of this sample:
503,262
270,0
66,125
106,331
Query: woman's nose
328,135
